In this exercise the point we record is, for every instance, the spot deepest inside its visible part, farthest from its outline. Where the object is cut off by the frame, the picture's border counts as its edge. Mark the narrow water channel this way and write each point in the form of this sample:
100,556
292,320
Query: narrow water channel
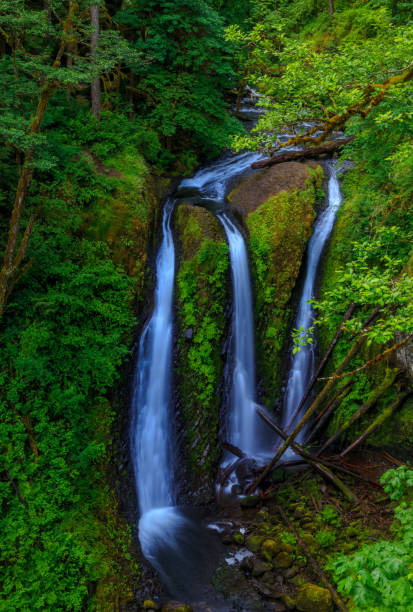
303,362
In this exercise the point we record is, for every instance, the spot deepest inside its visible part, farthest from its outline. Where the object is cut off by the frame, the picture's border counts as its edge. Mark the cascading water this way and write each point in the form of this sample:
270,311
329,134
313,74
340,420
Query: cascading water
303,363
245,428
166,536
243,418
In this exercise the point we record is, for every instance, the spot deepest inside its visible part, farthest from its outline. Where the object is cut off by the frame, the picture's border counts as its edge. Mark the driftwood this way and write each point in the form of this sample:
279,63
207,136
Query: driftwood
327,148
328,410
322,469
377,422
311,410
233,449
322,363
376,359
336,598
371,400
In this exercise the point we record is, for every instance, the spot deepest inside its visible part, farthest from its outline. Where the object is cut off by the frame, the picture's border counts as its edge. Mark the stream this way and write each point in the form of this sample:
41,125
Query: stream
170,539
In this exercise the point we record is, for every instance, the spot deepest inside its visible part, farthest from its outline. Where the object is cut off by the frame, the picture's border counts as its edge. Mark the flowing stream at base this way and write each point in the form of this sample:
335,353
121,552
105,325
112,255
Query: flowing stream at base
303,362
170,540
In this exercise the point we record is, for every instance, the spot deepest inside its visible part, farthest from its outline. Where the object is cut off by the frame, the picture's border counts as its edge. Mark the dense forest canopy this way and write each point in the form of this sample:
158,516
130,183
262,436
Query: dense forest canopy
101,103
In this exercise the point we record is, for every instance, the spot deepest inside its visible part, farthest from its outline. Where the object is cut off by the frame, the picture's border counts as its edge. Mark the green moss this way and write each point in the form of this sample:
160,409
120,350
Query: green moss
124,214
361,210
279,230
202,297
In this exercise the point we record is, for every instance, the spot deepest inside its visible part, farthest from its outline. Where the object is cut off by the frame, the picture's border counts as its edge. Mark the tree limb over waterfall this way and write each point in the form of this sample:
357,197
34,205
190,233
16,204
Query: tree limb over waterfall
325,149
371,96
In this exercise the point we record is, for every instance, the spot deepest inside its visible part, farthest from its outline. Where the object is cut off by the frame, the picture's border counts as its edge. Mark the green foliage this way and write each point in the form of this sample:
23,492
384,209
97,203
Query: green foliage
396,482
190,66
202,294
66,334
379,576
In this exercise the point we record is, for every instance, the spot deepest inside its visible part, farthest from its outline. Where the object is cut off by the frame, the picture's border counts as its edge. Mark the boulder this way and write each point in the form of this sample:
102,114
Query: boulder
254,542
312,598
283,560
148,604
176,606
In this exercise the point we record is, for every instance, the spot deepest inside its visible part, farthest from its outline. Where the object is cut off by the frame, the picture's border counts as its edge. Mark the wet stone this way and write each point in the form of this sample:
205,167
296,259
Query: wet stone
176,606
312,598
250,501
283,560
259,567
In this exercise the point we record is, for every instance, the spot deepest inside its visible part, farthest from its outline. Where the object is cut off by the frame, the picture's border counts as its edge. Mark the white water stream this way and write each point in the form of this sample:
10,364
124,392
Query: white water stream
303,362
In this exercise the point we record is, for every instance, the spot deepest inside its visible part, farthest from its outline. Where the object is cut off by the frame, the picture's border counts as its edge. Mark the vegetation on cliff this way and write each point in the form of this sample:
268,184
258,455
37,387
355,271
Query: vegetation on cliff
202,295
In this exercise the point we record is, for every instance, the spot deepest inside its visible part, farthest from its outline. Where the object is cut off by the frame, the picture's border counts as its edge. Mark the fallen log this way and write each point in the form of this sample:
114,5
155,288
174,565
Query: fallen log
314,406
336,598
377,422
327,411
321,469
234,450
327,148
371,400
323,362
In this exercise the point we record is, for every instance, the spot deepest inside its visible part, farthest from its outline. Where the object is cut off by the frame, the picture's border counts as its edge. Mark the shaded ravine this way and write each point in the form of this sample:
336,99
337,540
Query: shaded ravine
169,540
304,361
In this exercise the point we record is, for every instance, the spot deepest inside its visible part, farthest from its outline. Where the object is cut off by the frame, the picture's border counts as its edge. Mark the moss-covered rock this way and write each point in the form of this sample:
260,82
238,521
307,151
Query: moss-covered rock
278,207
125,214
312,598
202,297
176,606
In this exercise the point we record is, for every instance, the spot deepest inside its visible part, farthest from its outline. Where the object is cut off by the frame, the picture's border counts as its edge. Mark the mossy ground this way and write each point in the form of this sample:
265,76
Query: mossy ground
326,523
202,296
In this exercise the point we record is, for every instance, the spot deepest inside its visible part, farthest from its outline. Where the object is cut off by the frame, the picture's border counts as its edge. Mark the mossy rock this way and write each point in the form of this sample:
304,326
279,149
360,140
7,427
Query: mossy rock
176,606
253,191
312,598
283,560
279,219
270,548
309,541
148,604
202,294
254,542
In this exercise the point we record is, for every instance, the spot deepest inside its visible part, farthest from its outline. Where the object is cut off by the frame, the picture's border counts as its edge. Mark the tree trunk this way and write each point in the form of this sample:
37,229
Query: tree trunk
95,89
331,8
324,149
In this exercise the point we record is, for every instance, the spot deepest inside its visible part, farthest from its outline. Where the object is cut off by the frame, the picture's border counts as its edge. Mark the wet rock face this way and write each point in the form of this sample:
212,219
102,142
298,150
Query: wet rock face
201,298
257,189
312,598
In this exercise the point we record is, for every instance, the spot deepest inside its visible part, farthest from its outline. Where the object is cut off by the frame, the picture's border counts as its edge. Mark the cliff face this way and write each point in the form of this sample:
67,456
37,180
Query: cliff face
278,208
202,295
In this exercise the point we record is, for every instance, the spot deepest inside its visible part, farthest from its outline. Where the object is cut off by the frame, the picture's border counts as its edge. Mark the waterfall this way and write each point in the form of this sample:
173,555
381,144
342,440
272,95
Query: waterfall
303,362
246,430
242,430
169,540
